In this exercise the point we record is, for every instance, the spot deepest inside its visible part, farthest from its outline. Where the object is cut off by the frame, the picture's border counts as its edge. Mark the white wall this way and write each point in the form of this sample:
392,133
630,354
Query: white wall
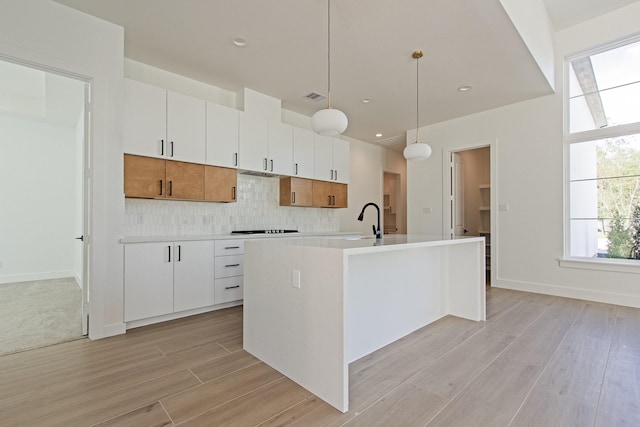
529,235
37,169
366,172
47,33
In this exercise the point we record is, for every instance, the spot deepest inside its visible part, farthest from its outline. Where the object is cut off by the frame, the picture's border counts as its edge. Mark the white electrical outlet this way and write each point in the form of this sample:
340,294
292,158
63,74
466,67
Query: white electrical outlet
295,279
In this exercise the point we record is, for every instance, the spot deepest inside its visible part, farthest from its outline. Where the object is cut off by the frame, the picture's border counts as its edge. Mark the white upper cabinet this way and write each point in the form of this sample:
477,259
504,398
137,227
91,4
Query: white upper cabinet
340,161
303,156
253,143
222,135
331,159
145,119
280,148
185,128
158,123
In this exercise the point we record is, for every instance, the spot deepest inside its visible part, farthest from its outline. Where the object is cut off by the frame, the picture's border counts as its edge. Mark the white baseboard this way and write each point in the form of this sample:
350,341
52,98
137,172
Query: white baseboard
111,330
47,275
562,291
173,316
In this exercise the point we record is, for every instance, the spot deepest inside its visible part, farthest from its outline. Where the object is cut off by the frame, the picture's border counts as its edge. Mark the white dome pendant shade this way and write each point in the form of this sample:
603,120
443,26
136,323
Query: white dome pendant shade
329,122
417,150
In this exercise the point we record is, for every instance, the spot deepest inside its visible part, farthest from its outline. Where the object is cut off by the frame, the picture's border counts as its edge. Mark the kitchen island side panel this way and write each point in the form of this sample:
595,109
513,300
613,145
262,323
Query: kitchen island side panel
297,331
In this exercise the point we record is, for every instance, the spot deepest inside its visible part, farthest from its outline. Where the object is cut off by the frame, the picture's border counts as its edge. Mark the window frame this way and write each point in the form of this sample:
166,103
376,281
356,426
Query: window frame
606,264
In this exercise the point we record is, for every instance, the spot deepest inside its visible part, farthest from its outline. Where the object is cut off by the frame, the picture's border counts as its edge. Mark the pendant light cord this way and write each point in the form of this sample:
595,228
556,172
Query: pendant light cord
329,53
417,96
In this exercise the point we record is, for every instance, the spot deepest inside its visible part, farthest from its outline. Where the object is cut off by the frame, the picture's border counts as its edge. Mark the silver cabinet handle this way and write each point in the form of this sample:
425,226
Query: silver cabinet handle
232,287
232,265
271,165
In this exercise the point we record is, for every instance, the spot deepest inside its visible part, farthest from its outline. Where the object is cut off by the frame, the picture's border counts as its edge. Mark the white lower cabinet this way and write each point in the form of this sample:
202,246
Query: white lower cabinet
229,264
163,278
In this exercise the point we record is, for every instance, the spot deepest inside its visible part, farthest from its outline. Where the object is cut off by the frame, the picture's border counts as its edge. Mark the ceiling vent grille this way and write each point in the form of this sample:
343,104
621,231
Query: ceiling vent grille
315,96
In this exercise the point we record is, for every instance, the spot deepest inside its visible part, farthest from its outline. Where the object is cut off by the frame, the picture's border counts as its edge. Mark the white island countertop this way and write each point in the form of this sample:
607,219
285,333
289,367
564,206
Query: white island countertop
195,237
368,244
314,305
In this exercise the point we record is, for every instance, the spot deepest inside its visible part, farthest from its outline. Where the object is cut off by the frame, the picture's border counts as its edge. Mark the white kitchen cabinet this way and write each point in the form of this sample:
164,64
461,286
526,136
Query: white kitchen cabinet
253,143
265,146
148,280
165,124
163,278
193,275
222,135
145,119
185,128
280,148
229,270
331,159
303,153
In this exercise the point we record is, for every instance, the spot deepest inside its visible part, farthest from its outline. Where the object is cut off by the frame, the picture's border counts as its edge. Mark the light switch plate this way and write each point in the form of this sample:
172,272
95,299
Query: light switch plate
295,279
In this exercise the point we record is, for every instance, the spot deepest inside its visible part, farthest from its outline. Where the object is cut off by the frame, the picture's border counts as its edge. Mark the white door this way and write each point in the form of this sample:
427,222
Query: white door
85,237
193,274
341,161
280,148
253,143
323,157
457,195
145,119
303,161
185,128
222,136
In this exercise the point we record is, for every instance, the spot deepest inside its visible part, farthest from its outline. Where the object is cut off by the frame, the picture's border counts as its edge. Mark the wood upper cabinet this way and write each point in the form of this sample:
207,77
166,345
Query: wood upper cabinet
220,184
151,178
296,191
185,181
144,177
330,194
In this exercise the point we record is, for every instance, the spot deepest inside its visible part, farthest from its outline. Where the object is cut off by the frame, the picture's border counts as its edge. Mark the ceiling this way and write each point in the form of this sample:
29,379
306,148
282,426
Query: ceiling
466,42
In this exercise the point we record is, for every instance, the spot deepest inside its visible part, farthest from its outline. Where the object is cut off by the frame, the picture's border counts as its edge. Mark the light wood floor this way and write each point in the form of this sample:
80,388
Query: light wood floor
537,361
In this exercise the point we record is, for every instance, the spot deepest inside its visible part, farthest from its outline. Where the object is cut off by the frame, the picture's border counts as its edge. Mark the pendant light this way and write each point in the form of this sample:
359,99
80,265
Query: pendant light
329,122
417,150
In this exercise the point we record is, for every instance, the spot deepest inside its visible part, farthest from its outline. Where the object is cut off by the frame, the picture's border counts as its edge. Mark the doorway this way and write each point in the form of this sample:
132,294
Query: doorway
391,203
469,201
44,128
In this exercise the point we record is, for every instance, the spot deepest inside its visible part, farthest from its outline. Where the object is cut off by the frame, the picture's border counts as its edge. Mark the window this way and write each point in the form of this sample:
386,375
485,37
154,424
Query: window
603,140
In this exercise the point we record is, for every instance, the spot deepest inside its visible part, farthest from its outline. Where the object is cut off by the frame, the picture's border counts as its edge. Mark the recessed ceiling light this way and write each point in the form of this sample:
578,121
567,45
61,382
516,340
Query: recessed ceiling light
378,135
366,100
465,88
239,41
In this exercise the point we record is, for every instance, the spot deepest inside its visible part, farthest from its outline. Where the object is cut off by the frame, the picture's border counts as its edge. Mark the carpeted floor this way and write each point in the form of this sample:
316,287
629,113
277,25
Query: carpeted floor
39,313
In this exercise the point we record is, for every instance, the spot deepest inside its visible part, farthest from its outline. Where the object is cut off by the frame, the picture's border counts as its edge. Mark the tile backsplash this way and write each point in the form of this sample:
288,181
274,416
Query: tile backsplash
257,208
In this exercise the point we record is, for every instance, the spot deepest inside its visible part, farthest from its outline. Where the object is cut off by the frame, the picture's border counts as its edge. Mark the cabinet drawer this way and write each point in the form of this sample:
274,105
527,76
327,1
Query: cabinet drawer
229,289
229,247
228,266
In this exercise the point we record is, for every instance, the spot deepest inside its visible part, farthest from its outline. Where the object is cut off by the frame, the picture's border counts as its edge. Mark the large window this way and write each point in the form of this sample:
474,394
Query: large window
603,141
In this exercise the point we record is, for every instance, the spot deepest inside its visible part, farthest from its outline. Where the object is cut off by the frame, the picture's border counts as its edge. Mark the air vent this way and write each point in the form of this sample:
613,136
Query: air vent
315,96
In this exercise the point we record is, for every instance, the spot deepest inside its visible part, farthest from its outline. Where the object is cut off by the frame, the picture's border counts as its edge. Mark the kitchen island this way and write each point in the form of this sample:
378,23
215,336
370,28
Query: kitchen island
314,305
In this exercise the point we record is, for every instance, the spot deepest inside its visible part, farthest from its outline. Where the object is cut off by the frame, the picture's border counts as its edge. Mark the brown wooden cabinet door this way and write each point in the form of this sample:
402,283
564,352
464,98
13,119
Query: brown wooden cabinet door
185,181
296,191
322,194
144,177
340,195
220,184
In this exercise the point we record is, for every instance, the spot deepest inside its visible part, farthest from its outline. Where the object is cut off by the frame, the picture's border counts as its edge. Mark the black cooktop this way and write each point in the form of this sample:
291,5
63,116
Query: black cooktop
272,231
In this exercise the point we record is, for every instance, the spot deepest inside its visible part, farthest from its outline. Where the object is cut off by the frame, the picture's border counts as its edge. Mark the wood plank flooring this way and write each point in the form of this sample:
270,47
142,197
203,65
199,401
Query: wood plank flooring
537,361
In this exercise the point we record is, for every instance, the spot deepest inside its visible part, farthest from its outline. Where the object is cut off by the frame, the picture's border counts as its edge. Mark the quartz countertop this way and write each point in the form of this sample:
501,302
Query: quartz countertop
186,238
367,244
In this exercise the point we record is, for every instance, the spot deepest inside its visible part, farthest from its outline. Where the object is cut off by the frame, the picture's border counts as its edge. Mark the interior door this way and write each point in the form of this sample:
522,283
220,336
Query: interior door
457,195
86,216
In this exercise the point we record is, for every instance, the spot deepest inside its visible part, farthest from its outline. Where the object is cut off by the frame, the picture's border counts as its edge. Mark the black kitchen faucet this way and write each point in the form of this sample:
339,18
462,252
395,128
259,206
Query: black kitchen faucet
376,231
